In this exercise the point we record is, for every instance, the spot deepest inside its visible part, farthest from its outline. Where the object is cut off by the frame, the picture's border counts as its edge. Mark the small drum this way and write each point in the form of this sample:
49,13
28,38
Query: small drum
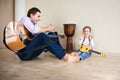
69,30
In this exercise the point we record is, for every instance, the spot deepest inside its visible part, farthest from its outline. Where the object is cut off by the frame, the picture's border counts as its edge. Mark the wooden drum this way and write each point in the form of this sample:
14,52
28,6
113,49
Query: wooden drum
69,30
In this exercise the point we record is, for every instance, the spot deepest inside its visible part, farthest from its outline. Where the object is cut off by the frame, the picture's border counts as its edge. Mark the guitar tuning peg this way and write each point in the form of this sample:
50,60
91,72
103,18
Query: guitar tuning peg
103,55
63,36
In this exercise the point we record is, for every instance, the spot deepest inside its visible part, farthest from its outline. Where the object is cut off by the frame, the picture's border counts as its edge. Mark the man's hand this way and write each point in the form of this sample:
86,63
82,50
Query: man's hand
51,27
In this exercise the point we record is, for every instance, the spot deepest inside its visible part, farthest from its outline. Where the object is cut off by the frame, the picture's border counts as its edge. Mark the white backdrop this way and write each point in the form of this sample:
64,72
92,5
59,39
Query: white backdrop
102,15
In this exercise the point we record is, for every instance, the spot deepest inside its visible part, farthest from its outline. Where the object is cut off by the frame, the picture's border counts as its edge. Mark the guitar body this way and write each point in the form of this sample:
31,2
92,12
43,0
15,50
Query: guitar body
85,49
15,33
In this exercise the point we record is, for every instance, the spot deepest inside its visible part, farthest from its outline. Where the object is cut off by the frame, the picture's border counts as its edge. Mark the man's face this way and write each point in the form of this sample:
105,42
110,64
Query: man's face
35,17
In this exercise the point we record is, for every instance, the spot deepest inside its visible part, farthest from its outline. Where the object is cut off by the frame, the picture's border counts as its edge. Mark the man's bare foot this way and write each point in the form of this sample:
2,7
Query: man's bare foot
71,58
74,54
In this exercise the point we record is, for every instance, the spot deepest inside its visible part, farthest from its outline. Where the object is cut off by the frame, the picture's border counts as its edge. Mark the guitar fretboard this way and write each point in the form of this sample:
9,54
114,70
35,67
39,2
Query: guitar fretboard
57,36
96,52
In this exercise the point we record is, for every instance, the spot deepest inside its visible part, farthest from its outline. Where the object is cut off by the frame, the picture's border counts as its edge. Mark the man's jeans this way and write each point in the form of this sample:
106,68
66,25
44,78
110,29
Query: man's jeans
84,55
40,39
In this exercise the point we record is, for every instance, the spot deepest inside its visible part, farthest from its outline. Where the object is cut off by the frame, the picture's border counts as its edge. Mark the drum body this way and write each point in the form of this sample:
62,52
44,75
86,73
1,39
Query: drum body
69,30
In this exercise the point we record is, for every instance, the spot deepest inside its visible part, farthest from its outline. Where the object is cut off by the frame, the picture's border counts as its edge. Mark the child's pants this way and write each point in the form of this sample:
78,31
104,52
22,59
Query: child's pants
83,55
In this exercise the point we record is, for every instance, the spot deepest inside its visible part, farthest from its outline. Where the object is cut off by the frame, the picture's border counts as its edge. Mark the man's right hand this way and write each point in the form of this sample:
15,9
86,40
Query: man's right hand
52,27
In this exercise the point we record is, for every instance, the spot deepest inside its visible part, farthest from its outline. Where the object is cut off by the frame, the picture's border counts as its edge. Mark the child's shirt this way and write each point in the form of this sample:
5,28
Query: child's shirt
87,42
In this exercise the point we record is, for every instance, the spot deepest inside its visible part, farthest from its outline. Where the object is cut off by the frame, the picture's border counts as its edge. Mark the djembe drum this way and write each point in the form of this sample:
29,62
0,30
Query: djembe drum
69,30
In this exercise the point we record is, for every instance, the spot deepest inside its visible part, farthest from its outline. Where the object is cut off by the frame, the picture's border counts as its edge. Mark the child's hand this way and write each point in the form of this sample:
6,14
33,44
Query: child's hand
91,37
81,36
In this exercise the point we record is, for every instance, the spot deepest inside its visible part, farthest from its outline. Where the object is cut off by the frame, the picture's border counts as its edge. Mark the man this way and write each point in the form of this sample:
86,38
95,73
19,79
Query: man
29,21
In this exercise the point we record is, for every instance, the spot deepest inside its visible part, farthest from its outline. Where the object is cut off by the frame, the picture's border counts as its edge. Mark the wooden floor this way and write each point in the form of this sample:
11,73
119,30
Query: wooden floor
48,67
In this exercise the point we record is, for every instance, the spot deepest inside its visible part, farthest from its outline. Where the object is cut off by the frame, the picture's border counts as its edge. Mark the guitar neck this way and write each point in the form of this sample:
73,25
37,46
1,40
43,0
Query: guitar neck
96,52
56,36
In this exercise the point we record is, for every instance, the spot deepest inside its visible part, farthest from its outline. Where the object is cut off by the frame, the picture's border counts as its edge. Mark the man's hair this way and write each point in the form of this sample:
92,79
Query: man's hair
33,11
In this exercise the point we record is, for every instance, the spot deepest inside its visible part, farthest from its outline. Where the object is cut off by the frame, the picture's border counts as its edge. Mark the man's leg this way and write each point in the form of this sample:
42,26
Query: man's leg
30,52
55,48
40,39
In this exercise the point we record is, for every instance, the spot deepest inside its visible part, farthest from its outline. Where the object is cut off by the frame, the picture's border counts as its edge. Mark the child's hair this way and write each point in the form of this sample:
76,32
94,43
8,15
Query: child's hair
87,27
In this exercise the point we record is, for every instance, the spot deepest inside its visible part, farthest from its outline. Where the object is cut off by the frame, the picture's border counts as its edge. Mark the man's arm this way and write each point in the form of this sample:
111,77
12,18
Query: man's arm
35,29
48,28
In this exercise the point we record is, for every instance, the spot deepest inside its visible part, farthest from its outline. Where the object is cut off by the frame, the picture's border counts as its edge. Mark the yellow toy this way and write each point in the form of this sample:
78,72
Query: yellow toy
84,48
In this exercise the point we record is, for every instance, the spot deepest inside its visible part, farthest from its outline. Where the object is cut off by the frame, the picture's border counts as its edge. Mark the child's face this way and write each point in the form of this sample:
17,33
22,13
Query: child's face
86,32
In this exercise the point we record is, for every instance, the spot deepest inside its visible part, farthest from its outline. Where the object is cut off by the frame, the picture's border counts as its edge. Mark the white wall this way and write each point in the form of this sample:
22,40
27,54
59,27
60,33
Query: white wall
102,15
19,9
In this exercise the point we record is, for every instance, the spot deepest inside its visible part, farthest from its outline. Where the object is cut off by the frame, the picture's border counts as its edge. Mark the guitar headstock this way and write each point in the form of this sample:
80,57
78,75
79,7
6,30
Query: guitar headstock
62,36
103,55
55,35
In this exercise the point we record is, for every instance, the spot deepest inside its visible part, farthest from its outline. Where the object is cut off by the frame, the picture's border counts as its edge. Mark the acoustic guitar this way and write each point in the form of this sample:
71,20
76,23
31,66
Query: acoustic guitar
15,33
84,48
